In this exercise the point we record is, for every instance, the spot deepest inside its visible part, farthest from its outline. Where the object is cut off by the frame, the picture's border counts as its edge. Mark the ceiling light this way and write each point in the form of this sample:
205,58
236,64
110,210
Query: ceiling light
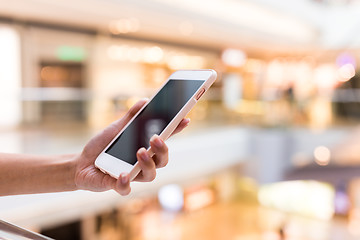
322,155
123,26
153,54
346,72
233,57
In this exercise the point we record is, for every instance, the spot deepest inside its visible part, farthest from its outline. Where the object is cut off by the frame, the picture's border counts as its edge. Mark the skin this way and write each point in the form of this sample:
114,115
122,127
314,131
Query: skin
24,174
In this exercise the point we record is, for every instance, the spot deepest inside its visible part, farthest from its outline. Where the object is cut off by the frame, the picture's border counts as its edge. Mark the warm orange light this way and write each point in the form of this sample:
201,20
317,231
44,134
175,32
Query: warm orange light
53,74
199,199
153,54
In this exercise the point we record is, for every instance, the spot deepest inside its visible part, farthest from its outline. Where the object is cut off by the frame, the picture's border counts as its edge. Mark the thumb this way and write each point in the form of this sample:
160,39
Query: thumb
121,123
100,141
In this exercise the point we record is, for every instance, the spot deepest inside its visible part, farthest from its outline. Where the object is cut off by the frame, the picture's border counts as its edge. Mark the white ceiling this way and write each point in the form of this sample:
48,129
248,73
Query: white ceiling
257,25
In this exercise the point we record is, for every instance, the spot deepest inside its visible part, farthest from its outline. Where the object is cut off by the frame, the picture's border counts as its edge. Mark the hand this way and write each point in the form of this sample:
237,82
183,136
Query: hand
88,177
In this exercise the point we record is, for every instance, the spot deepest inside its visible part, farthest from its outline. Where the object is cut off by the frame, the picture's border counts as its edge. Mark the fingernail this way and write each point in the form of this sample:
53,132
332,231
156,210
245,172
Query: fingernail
143,154
124,178
157,141
188,121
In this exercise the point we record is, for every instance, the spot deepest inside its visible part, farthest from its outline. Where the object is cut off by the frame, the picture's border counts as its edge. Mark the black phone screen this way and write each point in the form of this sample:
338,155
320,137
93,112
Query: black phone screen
153,119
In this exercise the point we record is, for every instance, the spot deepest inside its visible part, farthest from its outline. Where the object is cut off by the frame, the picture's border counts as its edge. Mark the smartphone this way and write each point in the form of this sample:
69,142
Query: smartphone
161,115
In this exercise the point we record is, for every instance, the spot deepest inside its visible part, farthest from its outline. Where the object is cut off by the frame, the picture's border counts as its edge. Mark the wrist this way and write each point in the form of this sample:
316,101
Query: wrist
68,162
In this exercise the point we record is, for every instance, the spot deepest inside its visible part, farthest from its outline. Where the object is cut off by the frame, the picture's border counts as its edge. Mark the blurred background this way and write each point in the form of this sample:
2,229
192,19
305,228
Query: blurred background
273,149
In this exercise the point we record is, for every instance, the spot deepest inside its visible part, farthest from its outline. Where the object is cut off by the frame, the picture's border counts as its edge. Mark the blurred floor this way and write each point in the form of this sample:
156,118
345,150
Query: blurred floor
237,221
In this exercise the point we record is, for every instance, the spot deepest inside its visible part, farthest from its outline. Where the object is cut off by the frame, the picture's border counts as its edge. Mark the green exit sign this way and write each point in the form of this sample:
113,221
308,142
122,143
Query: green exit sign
70,53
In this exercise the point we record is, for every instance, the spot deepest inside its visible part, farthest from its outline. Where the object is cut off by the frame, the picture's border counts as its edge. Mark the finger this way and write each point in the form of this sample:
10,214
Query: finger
119,124
160,150
147,165
108,182
123,184
99,142
183,124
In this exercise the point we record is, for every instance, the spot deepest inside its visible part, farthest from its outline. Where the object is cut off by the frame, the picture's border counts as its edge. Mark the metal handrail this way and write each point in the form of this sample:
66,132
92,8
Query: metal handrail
15,231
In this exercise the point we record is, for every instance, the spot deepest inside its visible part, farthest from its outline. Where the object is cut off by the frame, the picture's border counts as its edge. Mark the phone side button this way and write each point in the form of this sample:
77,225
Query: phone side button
200,93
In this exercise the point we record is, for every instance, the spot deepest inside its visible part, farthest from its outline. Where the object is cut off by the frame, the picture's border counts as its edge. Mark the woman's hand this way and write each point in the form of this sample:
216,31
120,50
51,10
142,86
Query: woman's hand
88,177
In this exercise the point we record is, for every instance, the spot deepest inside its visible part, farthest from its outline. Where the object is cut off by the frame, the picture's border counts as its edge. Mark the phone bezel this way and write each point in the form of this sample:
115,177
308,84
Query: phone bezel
115,166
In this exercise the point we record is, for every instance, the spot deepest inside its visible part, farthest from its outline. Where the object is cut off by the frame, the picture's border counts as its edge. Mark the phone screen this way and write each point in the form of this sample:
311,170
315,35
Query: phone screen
153,119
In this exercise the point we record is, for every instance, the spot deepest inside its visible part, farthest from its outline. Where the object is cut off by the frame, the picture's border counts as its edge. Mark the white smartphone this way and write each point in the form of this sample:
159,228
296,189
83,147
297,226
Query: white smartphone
161,115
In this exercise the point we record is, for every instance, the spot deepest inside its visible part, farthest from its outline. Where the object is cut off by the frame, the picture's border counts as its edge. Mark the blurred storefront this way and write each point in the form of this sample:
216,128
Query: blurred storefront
82,75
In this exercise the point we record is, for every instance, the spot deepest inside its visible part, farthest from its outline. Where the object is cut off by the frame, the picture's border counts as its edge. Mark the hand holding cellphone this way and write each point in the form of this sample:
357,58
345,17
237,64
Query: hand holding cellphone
161,115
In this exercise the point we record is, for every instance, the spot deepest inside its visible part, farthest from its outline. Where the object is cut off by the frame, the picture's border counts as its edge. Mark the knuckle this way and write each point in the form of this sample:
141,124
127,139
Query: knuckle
163,162
151,176
132,111
163,150
135,108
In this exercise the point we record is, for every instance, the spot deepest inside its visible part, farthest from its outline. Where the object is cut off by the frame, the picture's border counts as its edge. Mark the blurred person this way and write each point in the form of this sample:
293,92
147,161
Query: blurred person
25,174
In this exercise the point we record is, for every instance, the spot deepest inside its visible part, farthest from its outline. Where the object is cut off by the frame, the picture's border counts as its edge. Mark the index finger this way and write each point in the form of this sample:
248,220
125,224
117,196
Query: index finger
183,124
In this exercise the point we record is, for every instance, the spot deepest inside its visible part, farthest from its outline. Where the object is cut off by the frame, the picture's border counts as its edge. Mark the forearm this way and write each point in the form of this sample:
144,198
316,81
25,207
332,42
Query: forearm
21,174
